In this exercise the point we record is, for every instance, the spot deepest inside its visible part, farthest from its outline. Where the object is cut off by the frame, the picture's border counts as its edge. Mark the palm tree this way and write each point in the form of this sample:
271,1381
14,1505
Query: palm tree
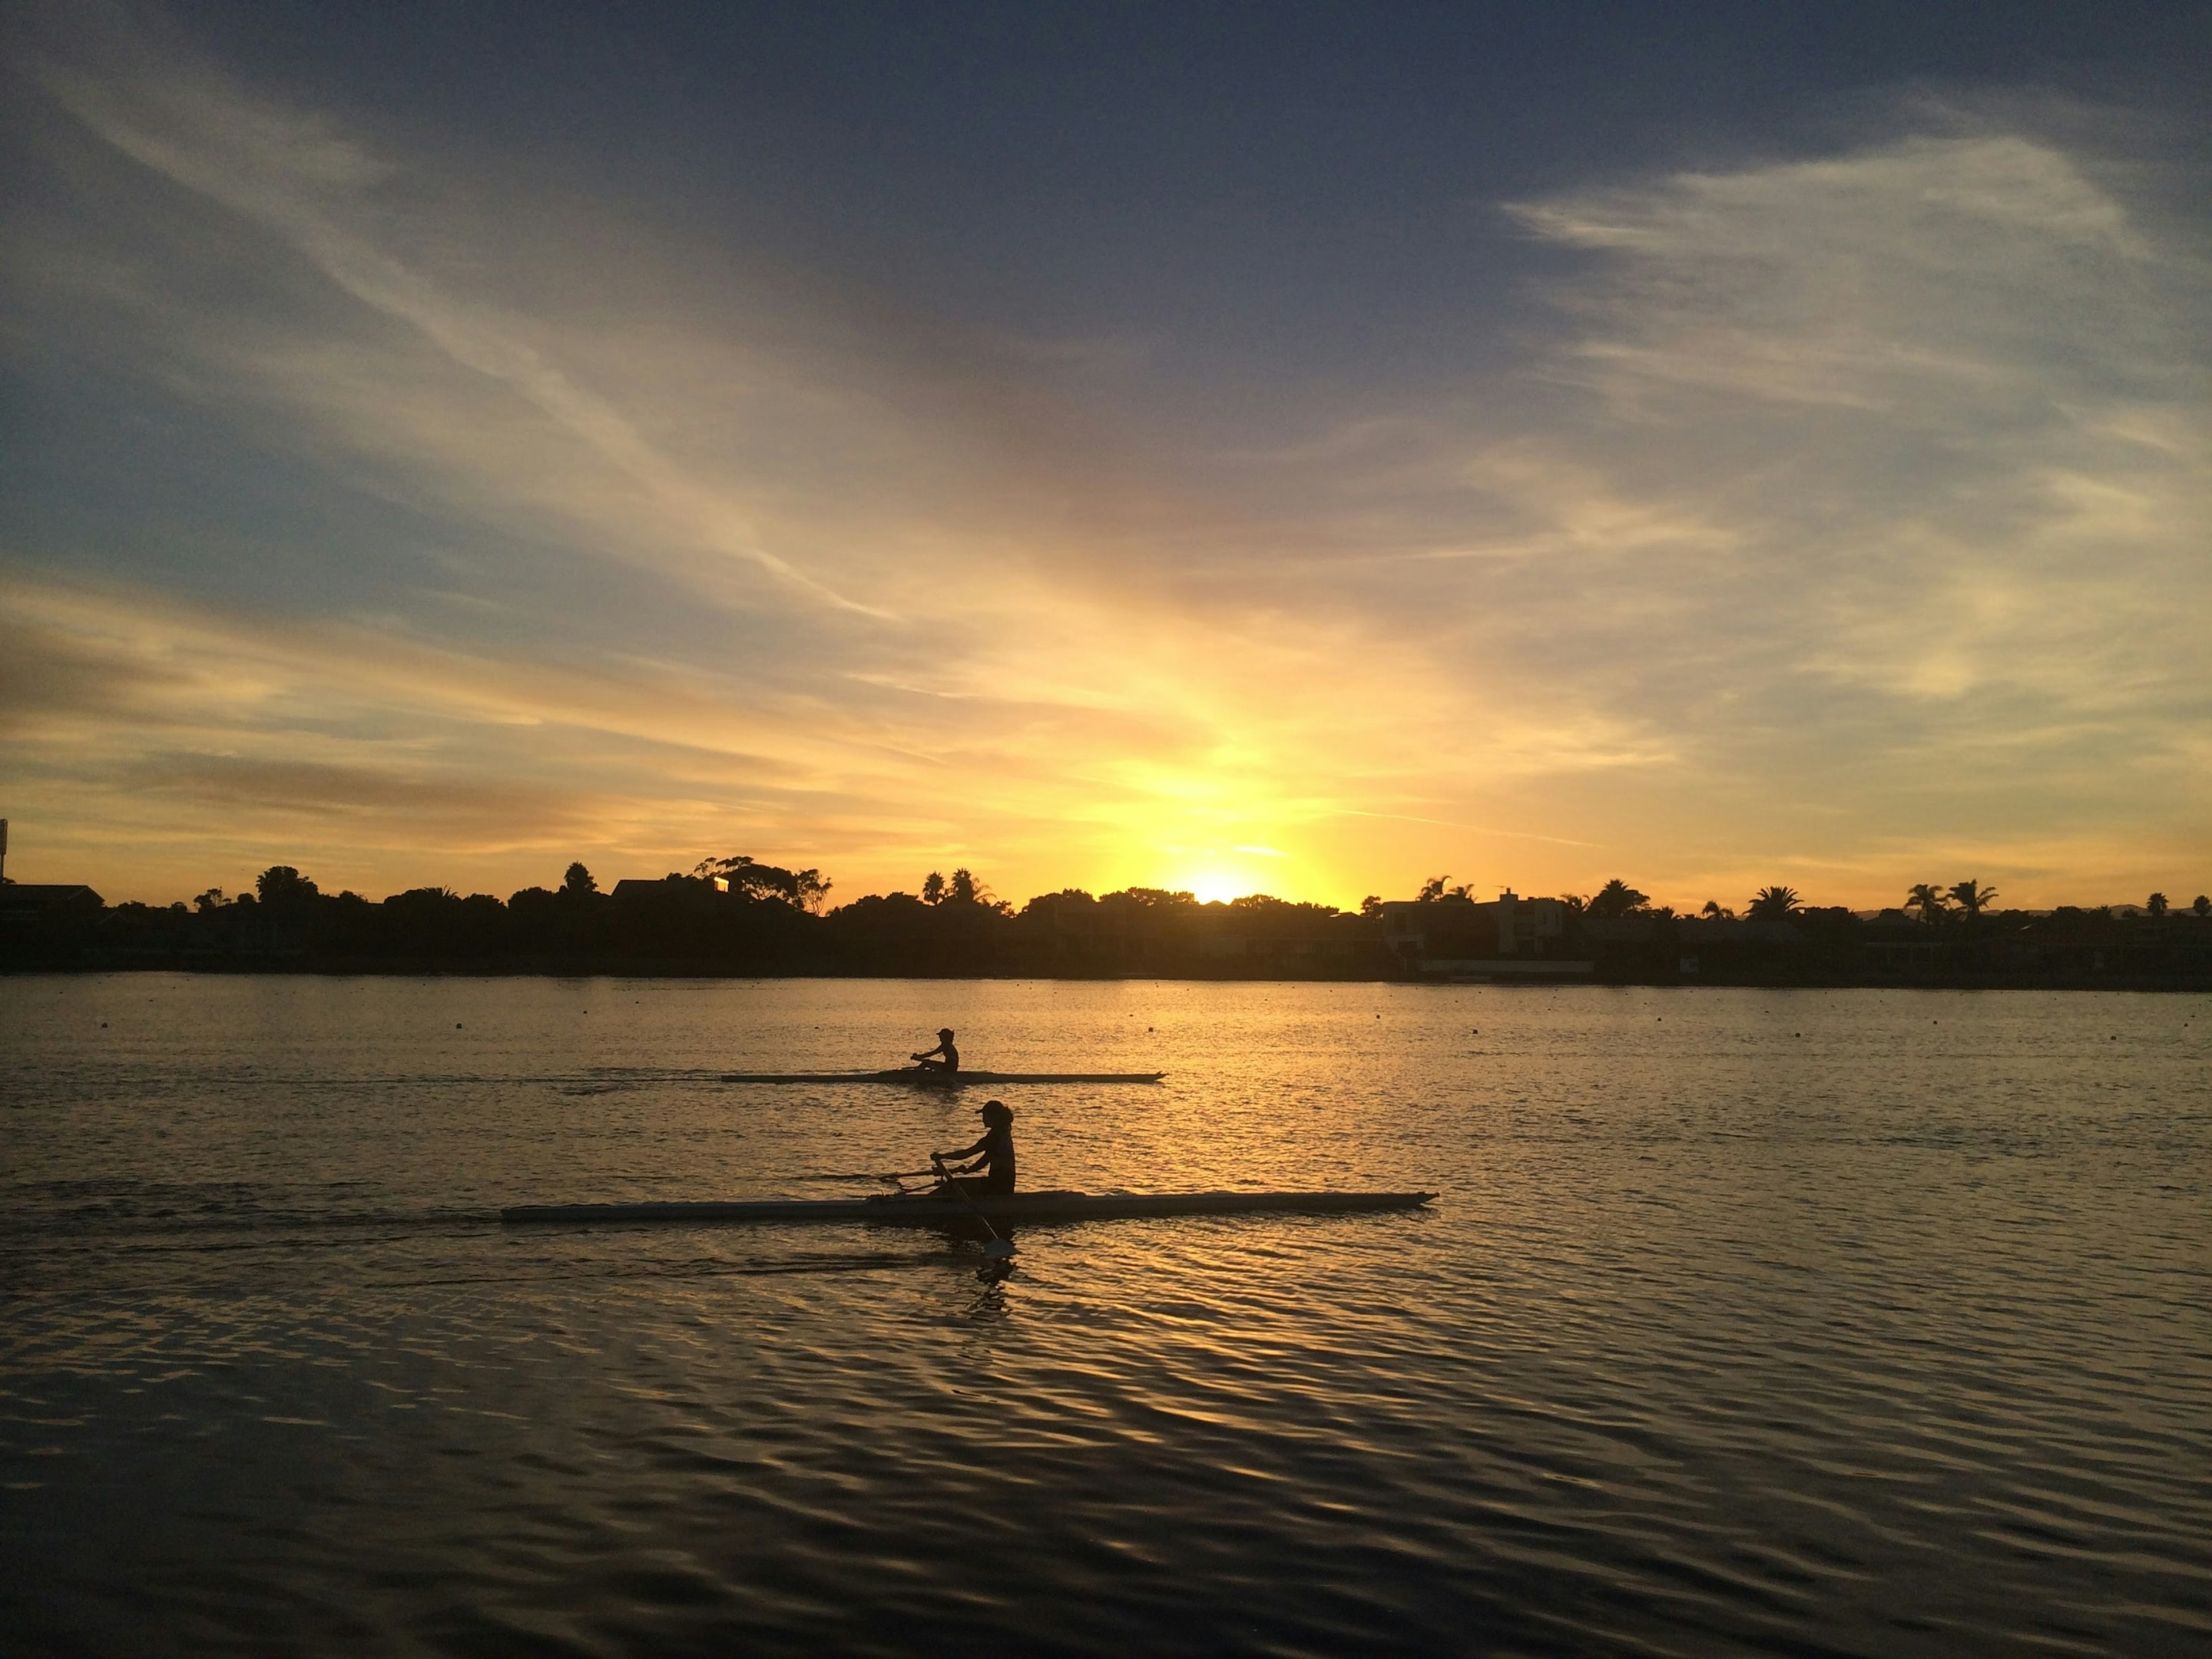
1716,911
1927,898
2157,906
1971,896
1617,898
1774,904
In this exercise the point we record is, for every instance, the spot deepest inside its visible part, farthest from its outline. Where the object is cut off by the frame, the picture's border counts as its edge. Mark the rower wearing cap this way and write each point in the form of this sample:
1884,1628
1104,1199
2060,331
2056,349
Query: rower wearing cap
995,1152
943,1058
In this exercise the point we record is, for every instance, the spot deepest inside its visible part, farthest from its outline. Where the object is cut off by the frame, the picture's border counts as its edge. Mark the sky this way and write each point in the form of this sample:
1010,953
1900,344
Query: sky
1298,449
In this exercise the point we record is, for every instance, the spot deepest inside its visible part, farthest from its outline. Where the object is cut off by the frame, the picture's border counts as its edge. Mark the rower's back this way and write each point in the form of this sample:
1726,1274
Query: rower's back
997,1150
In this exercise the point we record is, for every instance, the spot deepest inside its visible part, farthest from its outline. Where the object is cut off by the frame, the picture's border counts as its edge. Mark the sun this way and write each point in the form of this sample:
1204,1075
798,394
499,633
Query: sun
1215,876
1216,887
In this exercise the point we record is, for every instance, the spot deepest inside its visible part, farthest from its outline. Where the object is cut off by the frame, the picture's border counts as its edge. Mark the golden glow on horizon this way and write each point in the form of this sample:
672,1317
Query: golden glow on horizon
1211,887
1214,877
716,573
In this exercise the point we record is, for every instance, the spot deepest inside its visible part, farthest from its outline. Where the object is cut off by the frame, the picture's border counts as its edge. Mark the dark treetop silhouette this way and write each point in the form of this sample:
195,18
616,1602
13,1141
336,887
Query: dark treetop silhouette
740,914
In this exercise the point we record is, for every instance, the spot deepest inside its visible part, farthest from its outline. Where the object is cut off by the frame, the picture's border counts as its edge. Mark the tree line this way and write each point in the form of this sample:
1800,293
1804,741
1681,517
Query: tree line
740,913
1935,904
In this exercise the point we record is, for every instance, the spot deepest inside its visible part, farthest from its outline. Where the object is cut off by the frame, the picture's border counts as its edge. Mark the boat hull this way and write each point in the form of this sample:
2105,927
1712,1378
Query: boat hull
913,1078
931,1211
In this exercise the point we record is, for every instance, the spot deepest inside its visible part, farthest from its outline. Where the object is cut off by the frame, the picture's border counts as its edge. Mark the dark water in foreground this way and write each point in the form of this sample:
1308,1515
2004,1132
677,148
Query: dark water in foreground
1823,1321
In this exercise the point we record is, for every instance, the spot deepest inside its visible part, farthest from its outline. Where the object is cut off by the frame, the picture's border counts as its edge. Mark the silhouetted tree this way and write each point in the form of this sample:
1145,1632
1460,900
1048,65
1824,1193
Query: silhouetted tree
2203,905
1372,905
1069,900
1774,904
1971,896
1927,898
749,879
965,890
213,899
932,888
1717,911
1154,898
281,884
1266,905
578,882
1617,898
2157,906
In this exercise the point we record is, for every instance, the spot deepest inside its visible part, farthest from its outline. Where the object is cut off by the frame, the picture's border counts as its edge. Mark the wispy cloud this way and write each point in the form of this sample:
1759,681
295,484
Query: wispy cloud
1845,507
292,174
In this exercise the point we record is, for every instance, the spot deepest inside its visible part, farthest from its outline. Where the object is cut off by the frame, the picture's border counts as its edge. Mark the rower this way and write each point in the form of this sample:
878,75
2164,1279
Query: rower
929,1059
994,1152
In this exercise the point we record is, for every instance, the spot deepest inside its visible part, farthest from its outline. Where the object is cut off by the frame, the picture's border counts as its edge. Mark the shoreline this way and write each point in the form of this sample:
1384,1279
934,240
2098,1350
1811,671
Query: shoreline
2183,984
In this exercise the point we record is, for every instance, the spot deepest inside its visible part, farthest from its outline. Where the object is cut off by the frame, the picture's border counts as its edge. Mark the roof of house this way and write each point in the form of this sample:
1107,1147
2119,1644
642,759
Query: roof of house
31,898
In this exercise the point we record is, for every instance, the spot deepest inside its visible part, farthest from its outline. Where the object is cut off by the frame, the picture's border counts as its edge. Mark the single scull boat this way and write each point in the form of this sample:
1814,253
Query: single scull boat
927,1210
918,1077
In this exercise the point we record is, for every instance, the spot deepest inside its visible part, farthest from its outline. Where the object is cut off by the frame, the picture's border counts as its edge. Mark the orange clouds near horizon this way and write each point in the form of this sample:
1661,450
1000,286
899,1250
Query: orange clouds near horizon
1836,520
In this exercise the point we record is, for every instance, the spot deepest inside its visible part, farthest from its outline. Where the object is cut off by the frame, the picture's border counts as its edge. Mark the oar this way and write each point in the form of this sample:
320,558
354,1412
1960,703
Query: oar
998,1250
870,1175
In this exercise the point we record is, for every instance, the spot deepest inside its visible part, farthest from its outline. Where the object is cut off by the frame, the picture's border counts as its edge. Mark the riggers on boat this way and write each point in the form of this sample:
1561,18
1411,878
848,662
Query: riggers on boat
933,1078
930,1210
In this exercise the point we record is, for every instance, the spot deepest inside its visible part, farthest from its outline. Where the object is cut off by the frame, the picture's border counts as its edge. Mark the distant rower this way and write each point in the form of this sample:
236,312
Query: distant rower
994,1152
928,1058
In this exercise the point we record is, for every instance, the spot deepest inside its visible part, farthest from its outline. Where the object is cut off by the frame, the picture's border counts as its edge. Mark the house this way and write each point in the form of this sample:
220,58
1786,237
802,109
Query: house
1510,938
26,904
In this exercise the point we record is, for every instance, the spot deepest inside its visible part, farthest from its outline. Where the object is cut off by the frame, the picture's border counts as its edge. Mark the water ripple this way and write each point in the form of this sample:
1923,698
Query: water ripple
1715,1343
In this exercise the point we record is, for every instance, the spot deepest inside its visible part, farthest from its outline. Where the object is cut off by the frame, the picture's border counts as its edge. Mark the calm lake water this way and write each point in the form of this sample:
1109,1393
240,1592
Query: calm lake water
1805,1322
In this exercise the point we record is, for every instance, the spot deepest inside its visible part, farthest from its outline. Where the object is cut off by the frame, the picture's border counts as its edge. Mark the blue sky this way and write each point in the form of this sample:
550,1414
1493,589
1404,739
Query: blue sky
1296,449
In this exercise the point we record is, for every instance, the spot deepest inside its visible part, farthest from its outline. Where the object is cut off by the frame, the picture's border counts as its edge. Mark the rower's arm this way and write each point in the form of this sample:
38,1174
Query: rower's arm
968,1152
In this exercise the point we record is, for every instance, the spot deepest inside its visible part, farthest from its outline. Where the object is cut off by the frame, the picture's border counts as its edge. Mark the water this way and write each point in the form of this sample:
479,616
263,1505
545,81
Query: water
1811,1322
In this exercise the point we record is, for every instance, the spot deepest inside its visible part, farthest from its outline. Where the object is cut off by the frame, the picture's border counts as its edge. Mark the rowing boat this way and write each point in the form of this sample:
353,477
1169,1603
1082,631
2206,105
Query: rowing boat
927,1210
915,1077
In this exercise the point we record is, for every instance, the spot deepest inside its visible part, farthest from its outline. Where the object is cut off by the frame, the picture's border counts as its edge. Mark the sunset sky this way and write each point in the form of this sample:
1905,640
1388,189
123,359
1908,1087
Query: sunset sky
1299,449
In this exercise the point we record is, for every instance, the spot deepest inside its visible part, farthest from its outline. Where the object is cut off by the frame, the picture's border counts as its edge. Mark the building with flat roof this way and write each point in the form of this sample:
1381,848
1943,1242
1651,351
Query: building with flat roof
1509,938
